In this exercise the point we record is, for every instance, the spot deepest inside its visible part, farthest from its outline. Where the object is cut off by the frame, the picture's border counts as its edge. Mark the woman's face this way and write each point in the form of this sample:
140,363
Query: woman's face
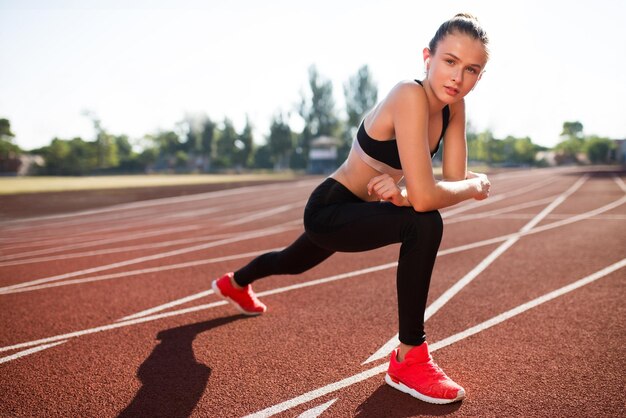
455,67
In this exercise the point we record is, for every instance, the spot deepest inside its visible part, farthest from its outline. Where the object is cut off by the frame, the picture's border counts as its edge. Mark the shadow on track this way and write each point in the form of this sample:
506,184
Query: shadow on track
390,403
173,381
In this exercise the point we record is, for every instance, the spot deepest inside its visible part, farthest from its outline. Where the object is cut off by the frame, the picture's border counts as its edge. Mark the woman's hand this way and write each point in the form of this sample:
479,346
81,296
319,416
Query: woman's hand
482,184
385,188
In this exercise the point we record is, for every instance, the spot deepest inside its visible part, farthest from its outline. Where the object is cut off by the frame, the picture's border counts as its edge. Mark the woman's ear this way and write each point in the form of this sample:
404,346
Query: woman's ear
426,55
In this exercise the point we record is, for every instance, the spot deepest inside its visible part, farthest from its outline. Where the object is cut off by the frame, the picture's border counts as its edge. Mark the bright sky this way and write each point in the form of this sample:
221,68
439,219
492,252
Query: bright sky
142,65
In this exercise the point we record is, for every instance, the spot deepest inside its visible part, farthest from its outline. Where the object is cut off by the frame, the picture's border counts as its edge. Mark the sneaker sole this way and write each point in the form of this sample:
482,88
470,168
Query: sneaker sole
232,302
404,388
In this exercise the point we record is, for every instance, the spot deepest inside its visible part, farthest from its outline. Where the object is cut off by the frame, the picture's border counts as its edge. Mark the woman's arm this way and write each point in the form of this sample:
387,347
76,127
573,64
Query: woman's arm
455,145
409,107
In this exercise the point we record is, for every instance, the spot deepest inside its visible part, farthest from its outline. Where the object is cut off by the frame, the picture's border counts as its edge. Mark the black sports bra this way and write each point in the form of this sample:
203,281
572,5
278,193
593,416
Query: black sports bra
383,155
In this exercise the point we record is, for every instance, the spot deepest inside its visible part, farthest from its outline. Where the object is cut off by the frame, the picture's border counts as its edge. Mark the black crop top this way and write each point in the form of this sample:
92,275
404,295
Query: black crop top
386,152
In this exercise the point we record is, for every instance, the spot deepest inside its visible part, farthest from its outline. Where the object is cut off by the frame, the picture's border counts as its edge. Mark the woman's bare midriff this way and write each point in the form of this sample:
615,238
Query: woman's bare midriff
355,175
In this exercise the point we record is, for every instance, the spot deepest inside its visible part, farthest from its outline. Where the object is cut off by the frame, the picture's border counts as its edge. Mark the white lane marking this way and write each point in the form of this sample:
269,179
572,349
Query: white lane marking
333,387
270,292
158,219
500,211
241,237
264,214
314,394
469,277
529,305
619,182
521,216
587,215
168,305
114,250
30,351
194,308
318,410
89,242
170,200
138,272
113,326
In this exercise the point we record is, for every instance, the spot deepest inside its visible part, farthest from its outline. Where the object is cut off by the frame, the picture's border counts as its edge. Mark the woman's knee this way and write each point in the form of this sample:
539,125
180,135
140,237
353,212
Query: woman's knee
429,224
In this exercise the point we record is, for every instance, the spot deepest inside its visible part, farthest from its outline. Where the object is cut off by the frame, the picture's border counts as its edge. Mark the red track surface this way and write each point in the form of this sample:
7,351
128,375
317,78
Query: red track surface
67,281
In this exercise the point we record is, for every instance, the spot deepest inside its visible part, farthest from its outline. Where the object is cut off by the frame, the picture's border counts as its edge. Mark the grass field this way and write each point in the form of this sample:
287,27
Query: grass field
17,185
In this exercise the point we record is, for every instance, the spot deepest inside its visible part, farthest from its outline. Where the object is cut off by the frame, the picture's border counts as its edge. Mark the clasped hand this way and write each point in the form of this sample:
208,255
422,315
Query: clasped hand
385,188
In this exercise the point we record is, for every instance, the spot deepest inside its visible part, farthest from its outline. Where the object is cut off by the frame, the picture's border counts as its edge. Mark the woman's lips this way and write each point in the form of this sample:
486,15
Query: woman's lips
451,90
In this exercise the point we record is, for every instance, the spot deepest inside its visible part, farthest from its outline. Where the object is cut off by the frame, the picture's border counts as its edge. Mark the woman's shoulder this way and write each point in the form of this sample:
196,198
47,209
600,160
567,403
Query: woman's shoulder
408,91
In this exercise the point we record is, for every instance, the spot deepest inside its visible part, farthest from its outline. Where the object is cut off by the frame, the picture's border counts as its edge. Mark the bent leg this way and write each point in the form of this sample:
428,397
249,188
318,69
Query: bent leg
365,226
298,257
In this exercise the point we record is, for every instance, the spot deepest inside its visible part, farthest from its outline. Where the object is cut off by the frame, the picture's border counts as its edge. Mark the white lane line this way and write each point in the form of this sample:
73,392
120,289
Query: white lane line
241,237
171,200
194,308
318,410
112,326
309,396
500,211
168,305
577,218
529,305
619,182
30,351
114,250
264,214
139,272
60,244
298,286
333,387
521,216
220,303
469,277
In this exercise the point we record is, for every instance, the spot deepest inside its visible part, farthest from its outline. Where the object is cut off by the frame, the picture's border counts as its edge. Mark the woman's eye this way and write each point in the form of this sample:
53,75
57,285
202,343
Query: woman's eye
471,70
450,62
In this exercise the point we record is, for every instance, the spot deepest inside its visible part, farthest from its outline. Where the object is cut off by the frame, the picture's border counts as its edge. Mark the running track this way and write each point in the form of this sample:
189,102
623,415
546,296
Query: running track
108,312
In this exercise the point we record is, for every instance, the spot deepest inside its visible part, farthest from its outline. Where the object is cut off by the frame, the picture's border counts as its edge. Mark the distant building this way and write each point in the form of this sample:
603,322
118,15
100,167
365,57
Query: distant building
323,155
20,165
547,158
620,151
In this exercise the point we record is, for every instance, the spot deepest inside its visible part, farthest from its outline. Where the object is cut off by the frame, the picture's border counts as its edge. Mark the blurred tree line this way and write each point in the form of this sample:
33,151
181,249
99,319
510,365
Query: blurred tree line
200,144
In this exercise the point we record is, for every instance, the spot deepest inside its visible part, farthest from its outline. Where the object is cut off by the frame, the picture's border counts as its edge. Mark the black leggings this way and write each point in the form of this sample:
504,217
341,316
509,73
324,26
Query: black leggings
337,220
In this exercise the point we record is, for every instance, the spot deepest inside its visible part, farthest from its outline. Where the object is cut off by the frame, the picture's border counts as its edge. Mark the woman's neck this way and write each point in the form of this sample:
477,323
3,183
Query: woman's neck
434,104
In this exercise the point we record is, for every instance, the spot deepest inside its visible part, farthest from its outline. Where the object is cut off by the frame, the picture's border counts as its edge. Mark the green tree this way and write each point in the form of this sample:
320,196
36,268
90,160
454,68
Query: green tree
225,145
525,151
280,141
572,129
598,149
361,95
243,152
485,147
75,157
263,157
318,112
7,147
206,142
572,142
124,148
106,146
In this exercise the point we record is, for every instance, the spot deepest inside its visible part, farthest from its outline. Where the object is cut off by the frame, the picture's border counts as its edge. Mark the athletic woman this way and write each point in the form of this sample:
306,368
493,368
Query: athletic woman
361,206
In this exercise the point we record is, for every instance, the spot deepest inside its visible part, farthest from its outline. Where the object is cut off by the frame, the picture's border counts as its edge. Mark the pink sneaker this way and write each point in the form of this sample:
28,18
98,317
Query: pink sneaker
420,377
243,299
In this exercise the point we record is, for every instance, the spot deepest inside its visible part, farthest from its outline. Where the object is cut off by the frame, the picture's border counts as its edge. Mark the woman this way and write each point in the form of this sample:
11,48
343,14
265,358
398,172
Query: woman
361,207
